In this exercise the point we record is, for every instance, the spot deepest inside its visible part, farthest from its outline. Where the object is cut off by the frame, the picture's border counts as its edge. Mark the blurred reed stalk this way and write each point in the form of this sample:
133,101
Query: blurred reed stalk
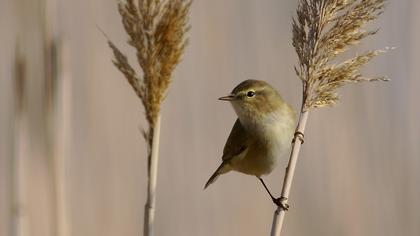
35,84
55,71
322,30
18,184
52,69
156,30
61,128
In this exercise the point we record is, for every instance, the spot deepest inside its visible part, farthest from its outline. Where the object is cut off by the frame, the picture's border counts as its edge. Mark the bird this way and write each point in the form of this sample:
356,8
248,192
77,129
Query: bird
261,134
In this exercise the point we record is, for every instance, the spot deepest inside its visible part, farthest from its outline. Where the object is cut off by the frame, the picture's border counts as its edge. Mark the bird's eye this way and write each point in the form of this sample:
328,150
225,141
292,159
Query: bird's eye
250,94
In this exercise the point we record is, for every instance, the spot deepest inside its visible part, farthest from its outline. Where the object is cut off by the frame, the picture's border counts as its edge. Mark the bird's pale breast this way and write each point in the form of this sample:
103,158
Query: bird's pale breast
271,140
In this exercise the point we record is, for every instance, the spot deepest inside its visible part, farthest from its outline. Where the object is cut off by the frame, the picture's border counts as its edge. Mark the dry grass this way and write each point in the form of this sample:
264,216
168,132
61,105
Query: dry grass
156,29
324,29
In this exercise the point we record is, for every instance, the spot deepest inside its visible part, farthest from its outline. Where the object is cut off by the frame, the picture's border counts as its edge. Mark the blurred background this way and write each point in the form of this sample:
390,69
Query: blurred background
73,162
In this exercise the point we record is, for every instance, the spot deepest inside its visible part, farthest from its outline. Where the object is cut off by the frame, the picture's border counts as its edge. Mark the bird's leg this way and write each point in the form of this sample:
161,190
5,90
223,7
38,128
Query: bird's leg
268,191
280,202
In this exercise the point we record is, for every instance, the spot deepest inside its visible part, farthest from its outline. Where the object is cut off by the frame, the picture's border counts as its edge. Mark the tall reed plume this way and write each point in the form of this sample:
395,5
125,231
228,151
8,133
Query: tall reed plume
322,30
156,29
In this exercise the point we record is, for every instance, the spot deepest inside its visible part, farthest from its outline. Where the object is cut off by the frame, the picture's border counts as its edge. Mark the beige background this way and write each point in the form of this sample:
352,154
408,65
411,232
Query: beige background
358,173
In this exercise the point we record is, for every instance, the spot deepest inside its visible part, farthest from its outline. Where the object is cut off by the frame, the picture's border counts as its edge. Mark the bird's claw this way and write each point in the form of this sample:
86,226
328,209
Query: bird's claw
281,202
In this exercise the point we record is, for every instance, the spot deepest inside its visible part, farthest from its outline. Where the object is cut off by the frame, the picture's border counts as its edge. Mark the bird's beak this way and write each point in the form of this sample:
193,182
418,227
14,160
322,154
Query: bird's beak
230,97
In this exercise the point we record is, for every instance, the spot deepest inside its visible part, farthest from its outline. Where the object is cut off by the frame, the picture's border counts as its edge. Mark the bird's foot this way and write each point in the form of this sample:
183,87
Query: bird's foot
281,202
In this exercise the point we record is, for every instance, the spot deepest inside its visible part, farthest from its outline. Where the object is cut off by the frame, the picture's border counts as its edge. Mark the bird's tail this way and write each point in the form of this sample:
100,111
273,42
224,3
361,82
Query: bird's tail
223,168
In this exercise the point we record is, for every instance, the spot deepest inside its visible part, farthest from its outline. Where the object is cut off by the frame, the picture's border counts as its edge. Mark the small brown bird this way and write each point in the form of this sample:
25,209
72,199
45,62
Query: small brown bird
262,133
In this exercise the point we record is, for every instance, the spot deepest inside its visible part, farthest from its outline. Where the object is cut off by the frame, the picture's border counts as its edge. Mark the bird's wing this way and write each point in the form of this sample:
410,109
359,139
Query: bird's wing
237,144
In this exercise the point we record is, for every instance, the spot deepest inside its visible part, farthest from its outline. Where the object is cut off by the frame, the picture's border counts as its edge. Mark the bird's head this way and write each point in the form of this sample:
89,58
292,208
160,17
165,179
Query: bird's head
254,98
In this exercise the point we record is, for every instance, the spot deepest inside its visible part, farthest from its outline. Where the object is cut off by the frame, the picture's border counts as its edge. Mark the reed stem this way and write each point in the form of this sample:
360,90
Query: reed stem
149,208
280,213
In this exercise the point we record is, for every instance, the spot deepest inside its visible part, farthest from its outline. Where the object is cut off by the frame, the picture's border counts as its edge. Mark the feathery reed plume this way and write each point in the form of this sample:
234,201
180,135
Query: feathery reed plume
322,30
156,29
